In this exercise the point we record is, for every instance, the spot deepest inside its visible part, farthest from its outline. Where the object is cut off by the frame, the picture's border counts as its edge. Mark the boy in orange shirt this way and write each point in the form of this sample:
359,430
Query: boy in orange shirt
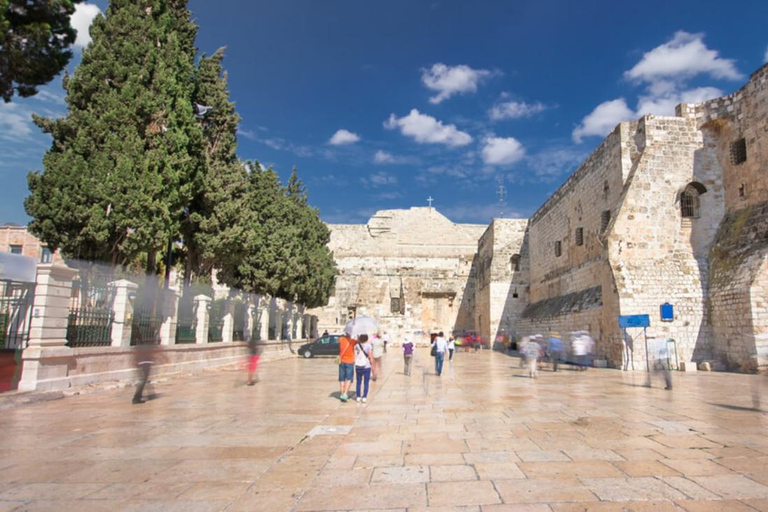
346,365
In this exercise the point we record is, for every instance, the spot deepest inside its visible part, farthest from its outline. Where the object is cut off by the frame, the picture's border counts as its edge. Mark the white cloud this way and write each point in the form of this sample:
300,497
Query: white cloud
765,57
684,56
515,110
425,129
81,21
15,121
555,161
664,105
379,179
603,119
344,137
481,214
502,151
450,80
382,157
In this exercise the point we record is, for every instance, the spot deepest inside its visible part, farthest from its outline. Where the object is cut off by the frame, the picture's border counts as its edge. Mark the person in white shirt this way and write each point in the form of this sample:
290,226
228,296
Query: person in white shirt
363,351
378,352
451,348
442,348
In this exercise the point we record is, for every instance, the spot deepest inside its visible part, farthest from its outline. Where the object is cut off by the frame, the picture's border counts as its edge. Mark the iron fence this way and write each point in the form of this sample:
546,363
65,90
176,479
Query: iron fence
186,332
146,329
16,301
90,315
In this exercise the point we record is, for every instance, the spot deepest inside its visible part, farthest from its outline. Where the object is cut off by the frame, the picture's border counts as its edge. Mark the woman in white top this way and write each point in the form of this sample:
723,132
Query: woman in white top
451,348
378,352
363,351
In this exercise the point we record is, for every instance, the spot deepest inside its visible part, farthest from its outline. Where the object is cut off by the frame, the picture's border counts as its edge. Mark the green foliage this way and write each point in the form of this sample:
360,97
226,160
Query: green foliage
35,36
124,162
214,229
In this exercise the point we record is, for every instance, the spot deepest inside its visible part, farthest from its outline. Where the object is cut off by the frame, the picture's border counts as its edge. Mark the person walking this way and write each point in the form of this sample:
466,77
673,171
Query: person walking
555,350
531,351
378,353
363,351
441,347
143,358
346,365
451,348
254,355
386,341
407,356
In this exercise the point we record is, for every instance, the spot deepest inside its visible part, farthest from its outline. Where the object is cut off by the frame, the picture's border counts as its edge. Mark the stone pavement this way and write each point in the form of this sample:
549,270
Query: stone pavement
479,438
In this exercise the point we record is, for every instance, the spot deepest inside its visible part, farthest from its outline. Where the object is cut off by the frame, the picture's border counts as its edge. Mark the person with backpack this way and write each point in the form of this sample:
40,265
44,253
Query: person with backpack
363,351
407,356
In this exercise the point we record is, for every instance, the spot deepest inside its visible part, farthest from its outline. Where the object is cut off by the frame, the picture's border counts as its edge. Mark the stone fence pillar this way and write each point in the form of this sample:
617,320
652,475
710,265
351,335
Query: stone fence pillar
251,318
170,309
45,360
262,318
122,308
202,313
228,322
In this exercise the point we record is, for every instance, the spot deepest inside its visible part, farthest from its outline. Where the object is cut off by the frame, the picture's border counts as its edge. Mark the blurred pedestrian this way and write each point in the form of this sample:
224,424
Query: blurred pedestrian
363,350
378,352
346,365
144,359
407,356
659,364
555,350
451,348
254,356
386,341
441,347
581,344
531,352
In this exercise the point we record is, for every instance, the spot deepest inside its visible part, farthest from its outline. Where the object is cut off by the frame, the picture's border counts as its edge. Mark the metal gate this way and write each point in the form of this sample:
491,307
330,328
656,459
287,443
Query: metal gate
16,299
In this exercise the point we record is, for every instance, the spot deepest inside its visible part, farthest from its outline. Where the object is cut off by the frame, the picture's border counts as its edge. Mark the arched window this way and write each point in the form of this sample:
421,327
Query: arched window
690,204
514,262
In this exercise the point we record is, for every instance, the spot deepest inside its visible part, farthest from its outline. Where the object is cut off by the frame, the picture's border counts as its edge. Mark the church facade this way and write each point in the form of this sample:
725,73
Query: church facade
666,211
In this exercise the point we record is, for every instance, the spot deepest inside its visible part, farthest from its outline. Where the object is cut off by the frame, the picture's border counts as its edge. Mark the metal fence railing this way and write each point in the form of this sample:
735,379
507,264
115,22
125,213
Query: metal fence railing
89,327
16,301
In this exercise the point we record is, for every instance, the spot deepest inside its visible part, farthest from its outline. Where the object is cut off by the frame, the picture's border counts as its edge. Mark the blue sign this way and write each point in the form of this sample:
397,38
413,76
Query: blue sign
667,312
626,321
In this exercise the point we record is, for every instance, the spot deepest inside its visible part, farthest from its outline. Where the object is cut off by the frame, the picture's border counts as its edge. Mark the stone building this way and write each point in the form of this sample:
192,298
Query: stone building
18,240
666,210
410,269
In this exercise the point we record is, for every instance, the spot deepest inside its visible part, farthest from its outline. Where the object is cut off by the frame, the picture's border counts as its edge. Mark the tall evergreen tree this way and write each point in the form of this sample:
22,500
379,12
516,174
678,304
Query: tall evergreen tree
215,227
123,165
35,36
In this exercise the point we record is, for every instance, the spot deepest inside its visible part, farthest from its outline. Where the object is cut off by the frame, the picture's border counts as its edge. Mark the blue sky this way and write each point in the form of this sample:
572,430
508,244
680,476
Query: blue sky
384,104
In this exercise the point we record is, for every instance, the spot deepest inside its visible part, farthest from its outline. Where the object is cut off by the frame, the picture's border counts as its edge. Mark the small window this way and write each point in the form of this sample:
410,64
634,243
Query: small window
605,219
558,248
514,262
743,191
606,189
739,152
16,249
579,236
690,203
46,256
394,305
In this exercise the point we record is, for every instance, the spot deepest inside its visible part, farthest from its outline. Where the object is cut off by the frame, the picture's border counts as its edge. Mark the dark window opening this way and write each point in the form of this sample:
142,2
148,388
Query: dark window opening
16,249
690,203
46,256
605,219
558,248
739,152
743,191
394,305
515,295
606,189
514,261
579,236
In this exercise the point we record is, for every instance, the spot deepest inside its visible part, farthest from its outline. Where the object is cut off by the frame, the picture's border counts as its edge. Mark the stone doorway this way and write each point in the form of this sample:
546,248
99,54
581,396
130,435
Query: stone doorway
437,312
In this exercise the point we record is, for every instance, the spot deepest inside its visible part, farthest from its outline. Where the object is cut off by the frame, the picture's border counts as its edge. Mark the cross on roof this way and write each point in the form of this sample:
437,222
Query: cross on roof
430,200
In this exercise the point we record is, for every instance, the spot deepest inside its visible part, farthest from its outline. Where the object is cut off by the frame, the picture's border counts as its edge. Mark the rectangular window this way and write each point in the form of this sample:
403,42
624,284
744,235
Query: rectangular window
579,236
743,191
46,256
394,305
16,249
605,219
558,248
739,152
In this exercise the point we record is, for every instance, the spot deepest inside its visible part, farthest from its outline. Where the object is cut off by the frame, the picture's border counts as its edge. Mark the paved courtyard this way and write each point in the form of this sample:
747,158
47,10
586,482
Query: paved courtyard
479,438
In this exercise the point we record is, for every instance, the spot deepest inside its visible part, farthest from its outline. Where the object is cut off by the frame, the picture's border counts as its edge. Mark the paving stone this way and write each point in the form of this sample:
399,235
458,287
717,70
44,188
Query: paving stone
544,490
632,489
733,486
465,493
452,473
400,475
585,469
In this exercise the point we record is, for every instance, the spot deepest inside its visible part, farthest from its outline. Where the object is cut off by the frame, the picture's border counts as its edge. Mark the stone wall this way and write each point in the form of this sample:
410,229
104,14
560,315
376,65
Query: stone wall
30,245
407,268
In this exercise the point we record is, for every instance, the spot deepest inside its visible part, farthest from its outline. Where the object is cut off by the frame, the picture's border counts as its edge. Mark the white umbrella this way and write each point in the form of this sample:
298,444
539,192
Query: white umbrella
361,325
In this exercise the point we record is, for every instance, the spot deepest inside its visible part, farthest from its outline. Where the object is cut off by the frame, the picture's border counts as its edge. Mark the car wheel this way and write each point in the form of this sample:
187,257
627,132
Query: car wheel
307,354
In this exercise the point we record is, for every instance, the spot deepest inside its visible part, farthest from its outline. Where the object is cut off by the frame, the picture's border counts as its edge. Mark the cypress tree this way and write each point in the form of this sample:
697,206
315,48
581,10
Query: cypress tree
124,161
35,36
215,228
